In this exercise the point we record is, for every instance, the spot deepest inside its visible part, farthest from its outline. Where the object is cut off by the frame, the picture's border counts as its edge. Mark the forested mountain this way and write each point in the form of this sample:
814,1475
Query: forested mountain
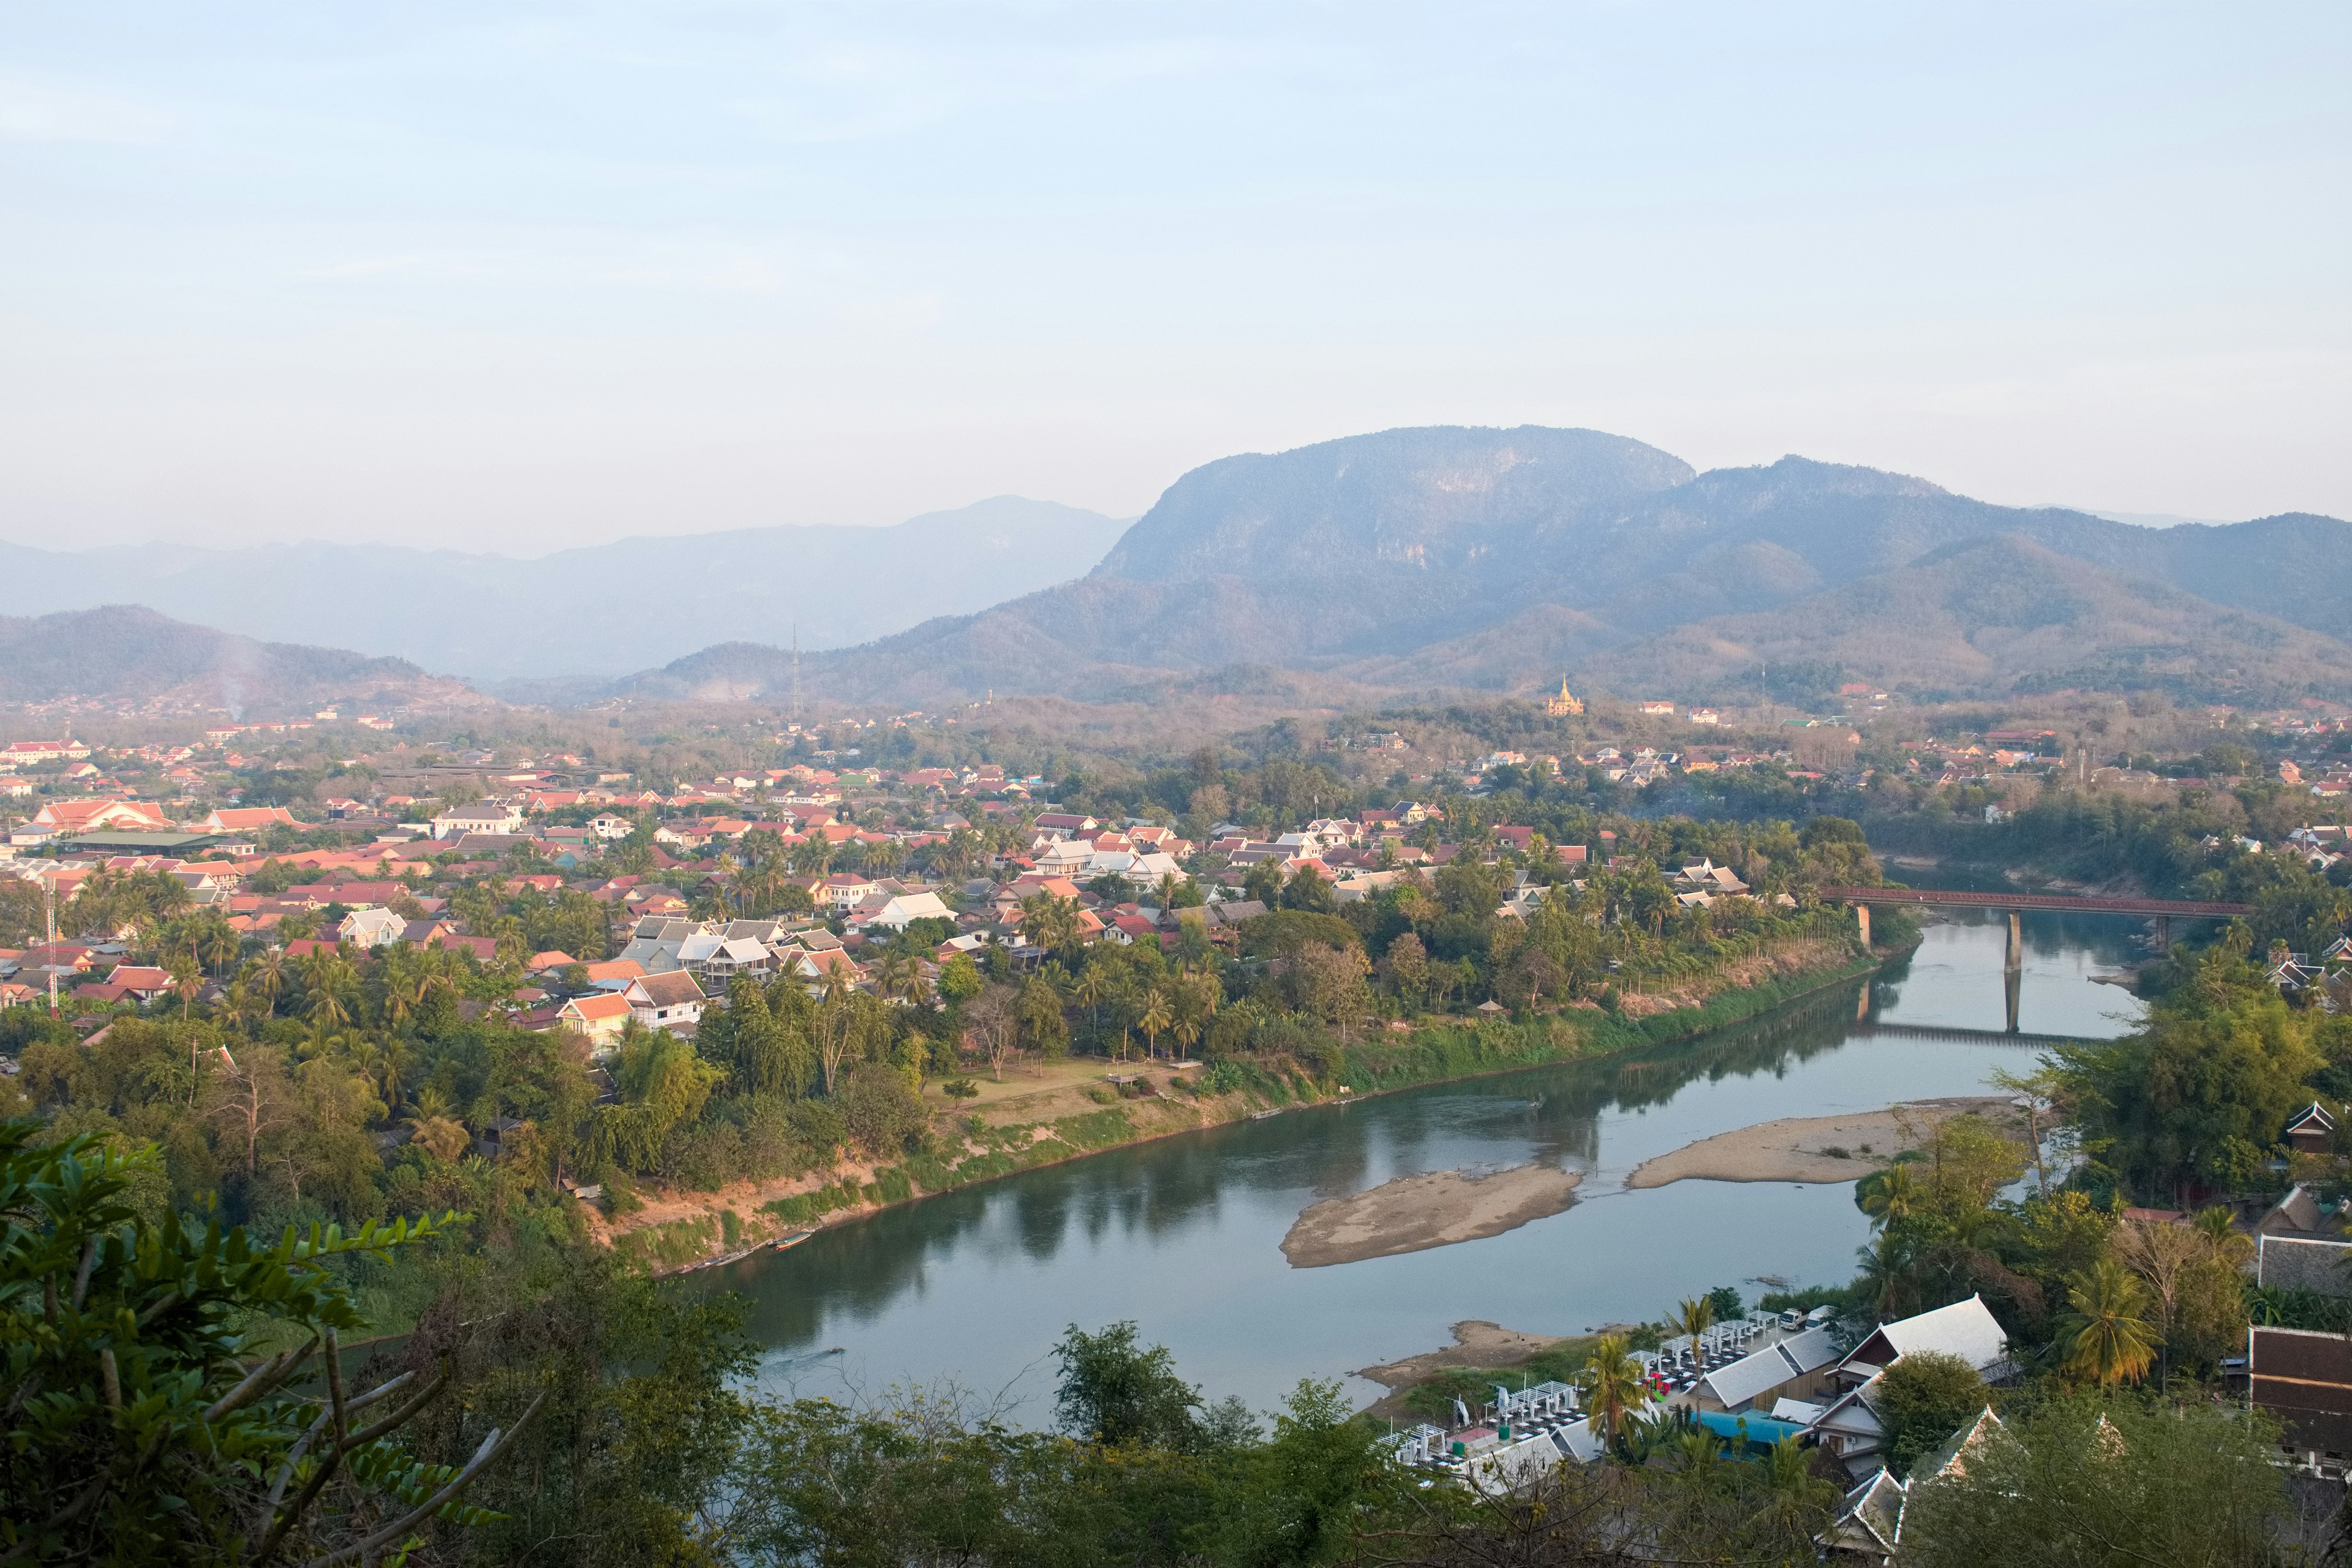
597,611
1499,559
129,653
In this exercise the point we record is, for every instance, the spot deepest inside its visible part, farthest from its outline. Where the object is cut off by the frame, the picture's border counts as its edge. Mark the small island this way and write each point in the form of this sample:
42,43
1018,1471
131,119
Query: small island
1413,1213
1823,1149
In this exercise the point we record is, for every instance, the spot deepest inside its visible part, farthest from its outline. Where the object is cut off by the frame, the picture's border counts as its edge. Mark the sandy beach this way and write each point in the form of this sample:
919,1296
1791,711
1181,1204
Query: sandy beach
1415,1213
1794,1149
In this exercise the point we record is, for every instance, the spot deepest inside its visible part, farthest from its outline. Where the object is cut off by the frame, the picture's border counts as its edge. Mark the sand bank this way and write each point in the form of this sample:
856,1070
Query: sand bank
1476,1342
1795,1149
1415,1213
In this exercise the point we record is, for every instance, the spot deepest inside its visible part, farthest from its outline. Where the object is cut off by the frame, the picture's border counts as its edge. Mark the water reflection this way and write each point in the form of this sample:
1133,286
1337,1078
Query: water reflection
1185,1234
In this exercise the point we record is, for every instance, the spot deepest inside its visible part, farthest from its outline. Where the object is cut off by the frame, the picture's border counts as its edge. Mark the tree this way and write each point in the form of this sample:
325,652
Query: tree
993,1025
1154,1015
881,1108
1923,1399
1116,1393
1693,1316
1406,968
162,1433
2105,1335
1041,1025
2096,1481
252,1097
960,980
1610,1383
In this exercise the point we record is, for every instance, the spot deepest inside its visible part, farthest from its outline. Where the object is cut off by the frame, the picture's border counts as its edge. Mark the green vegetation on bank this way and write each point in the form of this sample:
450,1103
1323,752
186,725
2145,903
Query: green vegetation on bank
557,1410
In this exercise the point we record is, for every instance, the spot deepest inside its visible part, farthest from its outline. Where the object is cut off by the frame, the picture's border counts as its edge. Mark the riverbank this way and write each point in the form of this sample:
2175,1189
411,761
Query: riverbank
1077,1113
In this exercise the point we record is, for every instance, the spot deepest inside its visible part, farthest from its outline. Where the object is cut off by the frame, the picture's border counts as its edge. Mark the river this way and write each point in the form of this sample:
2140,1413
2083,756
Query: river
969,1290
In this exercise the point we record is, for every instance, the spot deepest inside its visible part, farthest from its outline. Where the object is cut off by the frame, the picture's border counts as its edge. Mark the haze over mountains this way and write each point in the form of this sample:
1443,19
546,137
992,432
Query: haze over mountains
1447,557
1408,560
598,611
131,654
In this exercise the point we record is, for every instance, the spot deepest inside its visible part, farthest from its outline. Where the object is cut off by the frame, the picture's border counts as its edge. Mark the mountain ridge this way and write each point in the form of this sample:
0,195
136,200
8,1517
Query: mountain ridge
1593,546
131,653
495,618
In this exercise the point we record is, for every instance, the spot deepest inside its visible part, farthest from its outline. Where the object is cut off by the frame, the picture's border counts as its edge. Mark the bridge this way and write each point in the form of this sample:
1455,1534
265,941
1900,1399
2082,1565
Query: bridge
2163,911
1955,1034
2159,909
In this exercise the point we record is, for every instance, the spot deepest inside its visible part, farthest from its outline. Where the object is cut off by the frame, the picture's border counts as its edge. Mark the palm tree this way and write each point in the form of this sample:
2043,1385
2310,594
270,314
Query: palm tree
1694,1316
216,943
269,976
1610,1383
1156,1015
187,979
1886,1273
1093,987
1892,1194
2106,1335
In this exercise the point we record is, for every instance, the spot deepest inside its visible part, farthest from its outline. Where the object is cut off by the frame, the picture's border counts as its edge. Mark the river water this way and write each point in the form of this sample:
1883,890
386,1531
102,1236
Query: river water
1184,1235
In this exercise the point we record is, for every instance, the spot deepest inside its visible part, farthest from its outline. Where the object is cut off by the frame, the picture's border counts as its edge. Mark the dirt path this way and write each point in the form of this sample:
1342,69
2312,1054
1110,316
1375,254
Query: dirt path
1799,1148
1413,1213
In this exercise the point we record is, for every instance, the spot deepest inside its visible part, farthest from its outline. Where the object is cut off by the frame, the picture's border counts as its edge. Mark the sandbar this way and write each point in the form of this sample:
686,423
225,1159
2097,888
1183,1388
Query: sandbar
1476,1343
1793,1149
1413,1213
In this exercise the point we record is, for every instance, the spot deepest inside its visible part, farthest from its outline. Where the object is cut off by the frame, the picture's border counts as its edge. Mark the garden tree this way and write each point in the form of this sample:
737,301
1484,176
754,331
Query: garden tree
848,1025
1966,1163
1050,922
2105,1336
991,1026
1263,882
1039,1010
1531,975
1328,984
1154,1013
164,1426
960,980
663,1086
1196,995
250,1099
2093,1481
881,1108
1611,1385
24,915
1693,1316
1922,1400
765,1054
1405,967
541,1077
2199,1094
1308,889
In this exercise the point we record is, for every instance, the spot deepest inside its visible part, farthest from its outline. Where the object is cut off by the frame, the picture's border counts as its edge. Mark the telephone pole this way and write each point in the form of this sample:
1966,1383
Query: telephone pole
796,672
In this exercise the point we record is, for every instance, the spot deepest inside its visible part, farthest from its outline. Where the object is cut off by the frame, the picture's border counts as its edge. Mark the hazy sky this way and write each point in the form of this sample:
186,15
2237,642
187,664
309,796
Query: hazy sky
513,276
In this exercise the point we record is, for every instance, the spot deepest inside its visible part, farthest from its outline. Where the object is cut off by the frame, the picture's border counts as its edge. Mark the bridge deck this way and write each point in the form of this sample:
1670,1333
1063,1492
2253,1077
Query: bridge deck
2187,908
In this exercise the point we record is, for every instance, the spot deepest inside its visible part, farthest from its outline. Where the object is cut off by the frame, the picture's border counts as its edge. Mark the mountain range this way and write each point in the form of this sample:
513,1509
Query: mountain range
130,653
1498,560
598,611
1406,562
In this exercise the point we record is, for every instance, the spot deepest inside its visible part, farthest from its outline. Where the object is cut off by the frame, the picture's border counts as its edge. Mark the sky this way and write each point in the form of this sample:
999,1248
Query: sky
521,276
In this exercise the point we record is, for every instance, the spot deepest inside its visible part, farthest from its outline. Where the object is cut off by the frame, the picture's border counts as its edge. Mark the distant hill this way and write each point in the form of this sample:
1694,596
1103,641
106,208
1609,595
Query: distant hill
598,611
128,653
1496,560
1993,615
